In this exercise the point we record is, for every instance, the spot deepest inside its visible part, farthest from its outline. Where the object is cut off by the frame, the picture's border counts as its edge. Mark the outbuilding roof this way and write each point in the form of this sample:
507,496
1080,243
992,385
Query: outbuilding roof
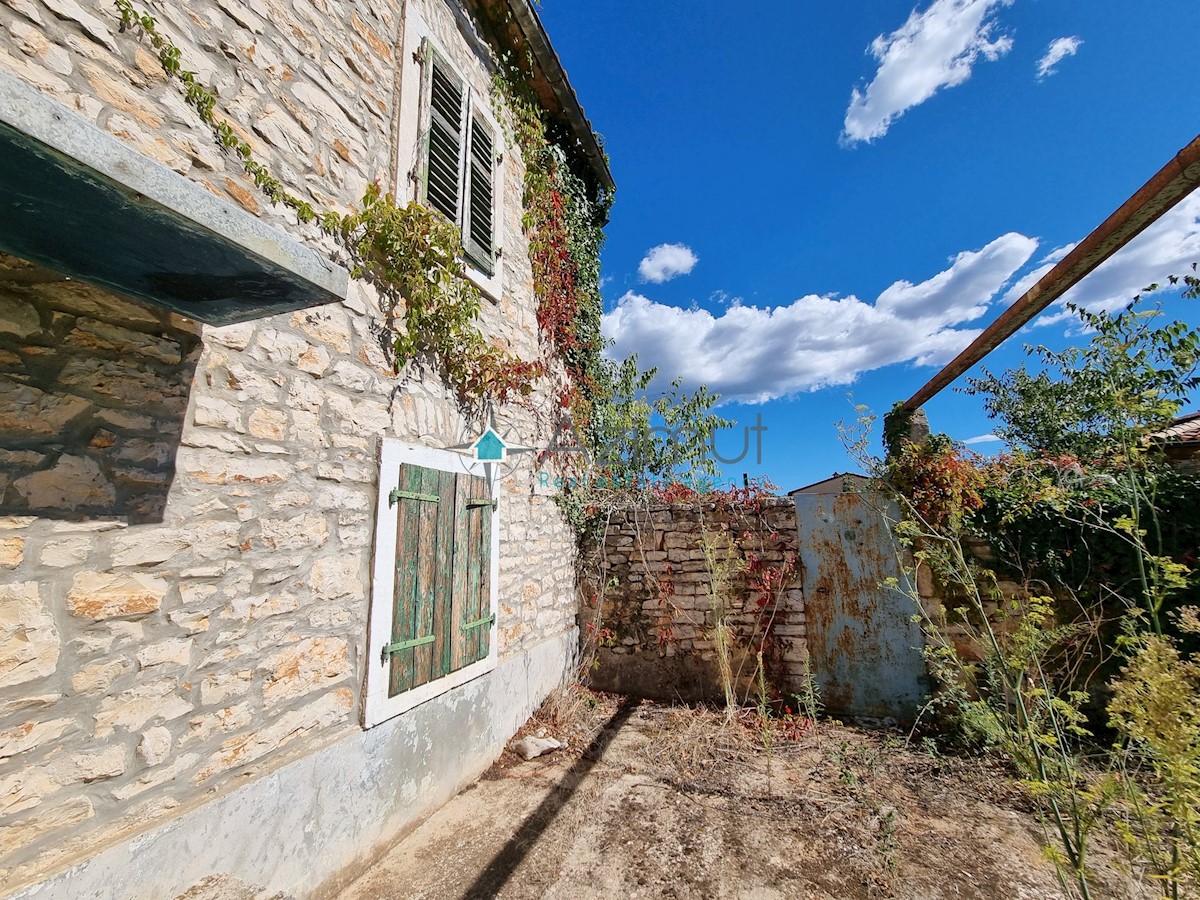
1184,430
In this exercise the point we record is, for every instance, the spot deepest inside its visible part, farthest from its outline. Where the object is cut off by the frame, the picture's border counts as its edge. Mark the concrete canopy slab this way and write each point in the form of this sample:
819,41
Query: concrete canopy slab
81,202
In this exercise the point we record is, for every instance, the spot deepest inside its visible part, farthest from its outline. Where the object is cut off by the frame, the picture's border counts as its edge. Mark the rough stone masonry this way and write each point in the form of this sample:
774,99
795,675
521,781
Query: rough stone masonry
668,572
188,511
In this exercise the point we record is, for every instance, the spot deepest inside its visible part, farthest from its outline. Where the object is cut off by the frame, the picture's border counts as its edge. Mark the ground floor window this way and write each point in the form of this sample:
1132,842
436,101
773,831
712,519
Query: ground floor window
433,600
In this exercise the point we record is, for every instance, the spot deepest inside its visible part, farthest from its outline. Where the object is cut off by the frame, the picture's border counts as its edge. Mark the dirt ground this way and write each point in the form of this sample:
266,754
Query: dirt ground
658,801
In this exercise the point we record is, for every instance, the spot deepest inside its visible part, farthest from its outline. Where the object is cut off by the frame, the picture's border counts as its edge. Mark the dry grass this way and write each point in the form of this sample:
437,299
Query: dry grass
686,801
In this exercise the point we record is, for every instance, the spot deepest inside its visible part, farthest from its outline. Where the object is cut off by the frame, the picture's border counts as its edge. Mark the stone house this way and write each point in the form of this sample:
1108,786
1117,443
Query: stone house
260,612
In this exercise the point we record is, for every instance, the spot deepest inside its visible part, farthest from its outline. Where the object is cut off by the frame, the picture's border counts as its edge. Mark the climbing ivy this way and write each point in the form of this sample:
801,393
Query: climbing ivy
632,439
409,253
564,221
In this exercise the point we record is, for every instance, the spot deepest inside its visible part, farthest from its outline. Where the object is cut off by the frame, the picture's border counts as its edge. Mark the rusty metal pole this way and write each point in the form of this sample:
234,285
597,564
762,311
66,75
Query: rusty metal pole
1174,181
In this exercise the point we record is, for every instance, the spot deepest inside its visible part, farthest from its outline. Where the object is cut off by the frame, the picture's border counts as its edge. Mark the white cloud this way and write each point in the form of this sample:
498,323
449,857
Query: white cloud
934,49
666,261
1168,247
724,298
1045,264
752,354
1059,49
983,439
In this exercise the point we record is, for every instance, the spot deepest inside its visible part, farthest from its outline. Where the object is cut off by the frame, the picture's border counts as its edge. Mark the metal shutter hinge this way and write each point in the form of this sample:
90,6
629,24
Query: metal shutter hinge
396,496
391,649
479,623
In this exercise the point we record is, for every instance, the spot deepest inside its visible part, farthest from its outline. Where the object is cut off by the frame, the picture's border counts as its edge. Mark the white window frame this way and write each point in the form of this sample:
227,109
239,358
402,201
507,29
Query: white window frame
414,123
379,707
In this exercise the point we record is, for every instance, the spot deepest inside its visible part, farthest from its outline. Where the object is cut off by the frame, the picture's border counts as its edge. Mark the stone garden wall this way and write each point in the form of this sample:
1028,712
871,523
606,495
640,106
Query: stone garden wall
186,512
651,612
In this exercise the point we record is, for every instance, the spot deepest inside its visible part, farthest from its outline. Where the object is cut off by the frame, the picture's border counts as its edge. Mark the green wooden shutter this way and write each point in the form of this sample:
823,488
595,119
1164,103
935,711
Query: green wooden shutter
478,228
421,620
472,599
442,174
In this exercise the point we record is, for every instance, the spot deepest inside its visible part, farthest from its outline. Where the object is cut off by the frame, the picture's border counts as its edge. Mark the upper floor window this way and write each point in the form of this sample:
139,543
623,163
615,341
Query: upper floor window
458,174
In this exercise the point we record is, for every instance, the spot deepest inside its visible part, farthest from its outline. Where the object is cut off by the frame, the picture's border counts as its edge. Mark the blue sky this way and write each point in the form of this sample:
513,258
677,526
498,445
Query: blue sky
842,195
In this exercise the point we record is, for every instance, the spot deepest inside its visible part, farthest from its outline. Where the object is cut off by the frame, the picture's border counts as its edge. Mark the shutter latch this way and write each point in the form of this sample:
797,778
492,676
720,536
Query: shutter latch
483,501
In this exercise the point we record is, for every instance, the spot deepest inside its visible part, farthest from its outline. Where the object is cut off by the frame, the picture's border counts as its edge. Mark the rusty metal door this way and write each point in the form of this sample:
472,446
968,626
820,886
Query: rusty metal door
863,645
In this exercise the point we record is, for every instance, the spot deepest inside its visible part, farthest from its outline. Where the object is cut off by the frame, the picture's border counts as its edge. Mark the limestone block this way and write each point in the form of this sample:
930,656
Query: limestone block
141,450
236,337
252,609
134,708
217,413
242,15
147,546
199,595
125,420
268,423
222,686
192,623
304,667
62,552
321,714
334,577
18,317
90,334
175,652
29,412
27,735
328,327
102,595
213,539
25,8
214,467
154,746
50,817
162,776
74,481
230,718
92,26
89,767
361,417
308,530
12,551
29,641
34,74
279,129
288,500
23,704
99,676
247,382
352,377
82,299
122,382
331,618
304,395
25,790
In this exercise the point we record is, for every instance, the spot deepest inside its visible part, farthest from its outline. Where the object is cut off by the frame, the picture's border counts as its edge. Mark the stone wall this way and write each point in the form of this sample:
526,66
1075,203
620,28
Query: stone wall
651,608
187,516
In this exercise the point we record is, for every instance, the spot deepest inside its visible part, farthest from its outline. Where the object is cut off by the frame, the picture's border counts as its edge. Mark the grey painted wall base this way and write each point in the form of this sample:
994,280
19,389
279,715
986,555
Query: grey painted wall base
312,819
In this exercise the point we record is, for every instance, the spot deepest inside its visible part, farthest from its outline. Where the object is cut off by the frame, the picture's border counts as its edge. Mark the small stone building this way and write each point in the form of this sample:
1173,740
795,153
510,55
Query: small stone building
220,508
